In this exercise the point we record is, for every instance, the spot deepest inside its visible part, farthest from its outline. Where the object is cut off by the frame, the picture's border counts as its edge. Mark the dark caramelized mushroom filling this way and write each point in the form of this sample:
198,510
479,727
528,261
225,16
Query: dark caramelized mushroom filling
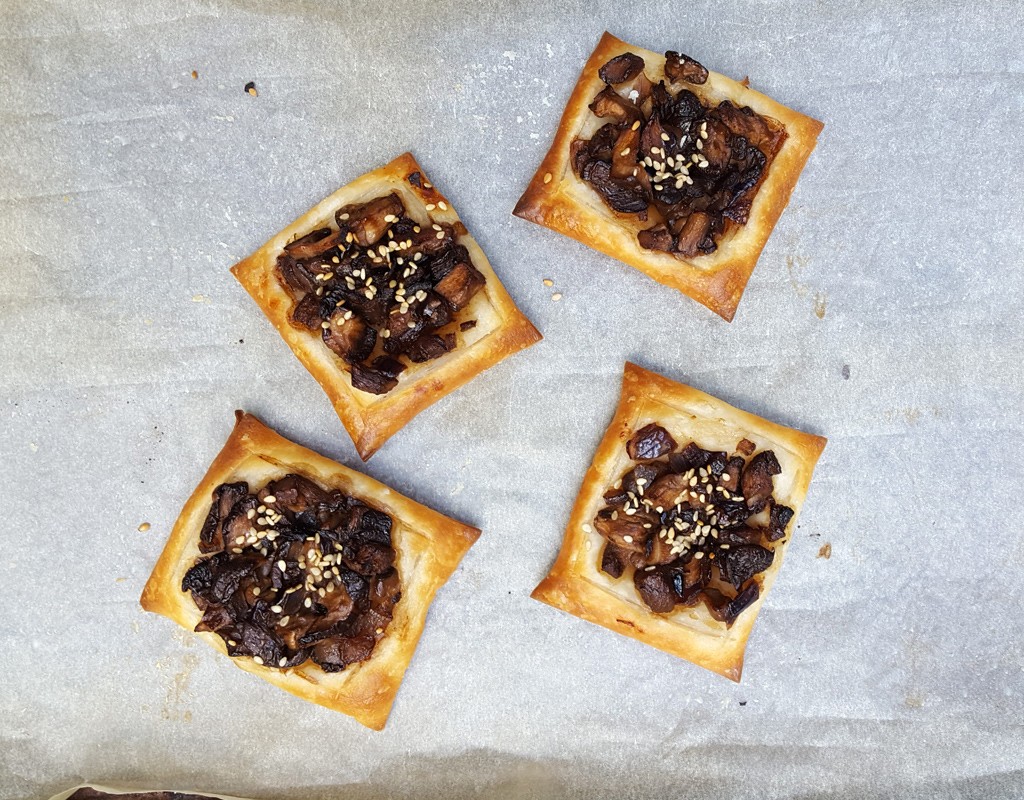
686,168
683,522
379,288
293,572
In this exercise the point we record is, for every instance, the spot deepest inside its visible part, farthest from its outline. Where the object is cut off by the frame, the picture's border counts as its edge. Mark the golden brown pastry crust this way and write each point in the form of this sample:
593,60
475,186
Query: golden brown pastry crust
576,583
501,330
428,547
565,203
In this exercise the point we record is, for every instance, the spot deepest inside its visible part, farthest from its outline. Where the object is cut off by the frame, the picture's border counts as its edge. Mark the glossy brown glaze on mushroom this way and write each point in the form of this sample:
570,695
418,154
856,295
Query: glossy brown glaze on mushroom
686,168
293,572
688,523
378,286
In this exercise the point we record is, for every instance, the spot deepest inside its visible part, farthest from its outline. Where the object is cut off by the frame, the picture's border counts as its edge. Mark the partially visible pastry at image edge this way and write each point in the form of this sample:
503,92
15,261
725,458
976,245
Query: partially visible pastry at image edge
386,299
682,522
671,168
310,575
97,792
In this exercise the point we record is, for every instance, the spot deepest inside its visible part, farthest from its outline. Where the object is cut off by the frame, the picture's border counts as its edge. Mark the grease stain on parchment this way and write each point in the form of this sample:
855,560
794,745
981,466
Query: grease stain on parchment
795,266
177,670
911,414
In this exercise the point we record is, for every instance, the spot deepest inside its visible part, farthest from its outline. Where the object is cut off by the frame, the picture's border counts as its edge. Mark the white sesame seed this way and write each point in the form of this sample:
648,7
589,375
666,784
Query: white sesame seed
627,539
547,177
587,528
258,660
431,206
442,205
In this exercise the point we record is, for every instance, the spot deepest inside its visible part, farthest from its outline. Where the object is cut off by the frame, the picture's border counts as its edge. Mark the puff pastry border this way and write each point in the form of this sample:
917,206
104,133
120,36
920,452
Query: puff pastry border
565,203
373,419
429,546
575,583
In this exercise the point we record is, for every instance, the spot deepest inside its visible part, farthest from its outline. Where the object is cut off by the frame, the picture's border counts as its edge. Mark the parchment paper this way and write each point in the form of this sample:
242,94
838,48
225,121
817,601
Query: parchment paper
884,314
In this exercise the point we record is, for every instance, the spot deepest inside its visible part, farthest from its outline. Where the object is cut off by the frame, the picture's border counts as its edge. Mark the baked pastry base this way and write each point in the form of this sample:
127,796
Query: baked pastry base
428,547
576,583
556,198
501,328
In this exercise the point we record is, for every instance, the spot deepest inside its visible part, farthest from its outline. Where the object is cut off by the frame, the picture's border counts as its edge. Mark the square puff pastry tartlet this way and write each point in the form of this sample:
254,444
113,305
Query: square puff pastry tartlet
501,328
428,547
576,583
558,199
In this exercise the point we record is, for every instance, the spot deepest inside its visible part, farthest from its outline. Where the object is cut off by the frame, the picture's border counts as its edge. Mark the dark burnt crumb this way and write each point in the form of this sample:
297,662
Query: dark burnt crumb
295,572
846,372
686,167
380,289
415,179
686,523
743,702
250,89
241,341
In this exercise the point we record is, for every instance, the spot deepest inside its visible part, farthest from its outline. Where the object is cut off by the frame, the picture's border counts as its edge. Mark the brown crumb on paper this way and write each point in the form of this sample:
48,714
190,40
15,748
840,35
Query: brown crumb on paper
825,551
548,282
195,75
145,526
